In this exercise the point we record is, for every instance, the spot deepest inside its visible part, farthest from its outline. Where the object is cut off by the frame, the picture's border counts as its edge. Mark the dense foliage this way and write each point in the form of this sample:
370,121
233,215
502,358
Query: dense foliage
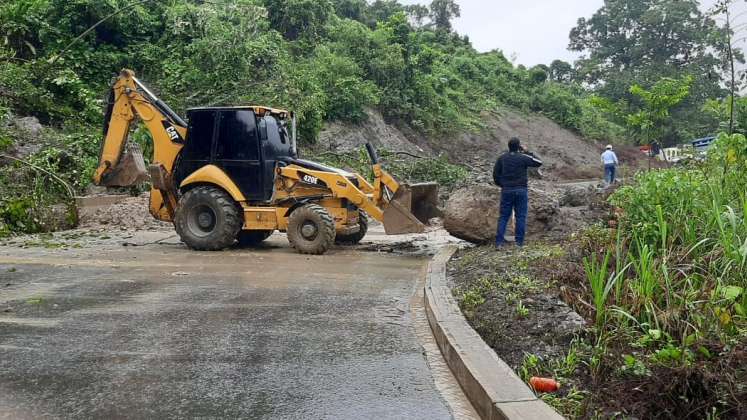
668,290
325,59
665,295
691,221
628,43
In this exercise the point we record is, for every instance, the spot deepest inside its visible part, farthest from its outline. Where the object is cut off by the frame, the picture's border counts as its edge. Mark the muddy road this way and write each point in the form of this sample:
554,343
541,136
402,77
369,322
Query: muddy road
93,329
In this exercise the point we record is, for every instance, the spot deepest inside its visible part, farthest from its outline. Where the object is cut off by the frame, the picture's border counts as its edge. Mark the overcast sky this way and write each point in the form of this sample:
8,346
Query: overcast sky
536,31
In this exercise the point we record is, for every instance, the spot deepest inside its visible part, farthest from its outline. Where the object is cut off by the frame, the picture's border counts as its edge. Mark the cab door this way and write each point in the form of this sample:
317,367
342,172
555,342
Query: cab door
198,150
275,146
237,151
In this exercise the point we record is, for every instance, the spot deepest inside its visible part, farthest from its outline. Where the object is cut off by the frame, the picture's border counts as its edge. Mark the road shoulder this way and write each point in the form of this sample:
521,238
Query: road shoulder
495,391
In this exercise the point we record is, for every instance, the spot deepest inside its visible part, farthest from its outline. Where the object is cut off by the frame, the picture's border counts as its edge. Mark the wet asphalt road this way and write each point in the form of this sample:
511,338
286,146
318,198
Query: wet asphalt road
157,331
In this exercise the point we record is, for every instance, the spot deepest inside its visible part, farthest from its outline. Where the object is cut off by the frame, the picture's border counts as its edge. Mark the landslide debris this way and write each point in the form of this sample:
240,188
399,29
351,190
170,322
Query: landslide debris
125,214
566,155
505,297
555,211
472,213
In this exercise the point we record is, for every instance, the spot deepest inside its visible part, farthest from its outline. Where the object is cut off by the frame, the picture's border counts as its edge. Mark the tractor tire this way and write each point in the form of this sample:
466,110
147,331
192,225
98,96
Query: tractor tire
251,238
355,238
311,230
207,219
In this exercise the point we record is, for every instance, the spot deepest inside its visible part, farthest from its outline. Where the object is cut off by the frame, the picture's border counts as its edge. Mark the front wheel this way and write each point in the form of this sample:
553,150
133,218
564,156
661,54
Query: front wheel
207,219
311,230
355,238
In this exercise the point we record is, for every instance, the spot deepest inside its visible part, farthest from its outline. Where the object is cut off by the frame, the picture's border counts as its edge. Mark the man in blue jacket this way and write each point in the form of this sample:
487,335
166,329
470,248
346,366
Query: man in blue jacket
510,173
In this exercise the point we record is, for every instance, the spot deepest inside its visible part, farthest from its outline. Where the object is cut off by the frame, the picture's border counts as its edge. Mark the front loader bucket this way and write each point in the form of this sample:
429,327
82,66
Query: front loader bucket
129,171
411,208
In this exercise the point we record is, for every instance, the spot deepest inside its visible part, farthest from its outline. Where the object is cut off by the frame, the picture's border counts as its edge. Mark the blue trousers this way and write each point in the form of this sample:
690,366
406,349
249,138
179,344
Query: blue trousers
514,200
609,173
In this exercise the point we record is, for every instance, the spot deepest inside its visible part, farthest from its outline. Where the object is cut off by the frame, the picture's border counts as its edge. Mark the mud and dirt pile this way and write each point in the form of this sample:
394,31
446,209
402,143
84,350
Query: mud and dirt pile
346,137
505,298
126,213
472,213
565,154
555,211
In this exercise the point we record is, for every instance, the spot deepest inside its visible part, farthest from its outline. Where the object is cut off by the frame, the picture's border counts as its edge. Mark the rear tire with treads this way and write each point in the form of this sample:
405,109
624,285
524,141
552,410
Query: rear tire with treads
311,230
207,219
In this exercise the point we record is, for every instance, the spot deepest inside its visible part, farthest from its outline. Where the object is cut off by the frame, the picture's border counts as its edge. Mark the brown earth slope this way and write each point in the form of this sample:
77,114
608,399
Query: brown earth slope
566,154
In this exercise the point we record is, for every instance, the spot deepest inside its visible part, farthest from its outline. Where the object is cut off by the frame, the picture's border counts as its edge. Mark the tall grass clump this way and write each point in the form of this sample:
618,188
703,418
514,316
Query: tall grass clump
686,235
669,290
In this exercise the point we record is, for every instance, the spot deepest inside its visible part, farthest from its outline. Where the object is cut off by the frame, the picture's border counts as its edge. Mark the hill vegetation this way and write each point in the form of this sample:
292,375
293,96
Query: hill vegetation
330,60
327,60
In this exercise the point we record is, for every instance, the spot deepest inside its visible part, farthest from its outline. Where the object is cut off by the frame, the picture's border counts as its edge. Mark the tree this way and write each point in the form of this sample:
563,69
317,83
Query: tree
382,10
639,42
538,74
561,71
647,124
351,9
443,12
722,7
417,13
645,40
341,78
299,18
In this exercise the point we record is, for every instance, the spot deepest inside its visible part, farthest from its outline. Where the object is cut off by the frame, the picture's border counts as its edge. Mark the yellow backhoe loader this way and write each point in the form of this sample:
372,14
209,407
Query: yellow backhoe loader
233,174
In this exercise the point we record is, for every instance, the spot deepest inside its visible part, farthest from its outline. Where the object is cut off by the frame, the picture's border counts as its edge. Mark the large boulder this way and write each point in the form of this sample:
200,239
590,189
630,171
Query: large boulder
472,213
28,125
577,196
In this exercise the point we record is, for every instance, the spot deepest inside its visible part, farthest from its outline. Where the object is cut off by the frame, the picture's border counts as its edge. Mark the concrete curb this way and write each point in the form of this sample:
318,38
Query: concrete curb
491,385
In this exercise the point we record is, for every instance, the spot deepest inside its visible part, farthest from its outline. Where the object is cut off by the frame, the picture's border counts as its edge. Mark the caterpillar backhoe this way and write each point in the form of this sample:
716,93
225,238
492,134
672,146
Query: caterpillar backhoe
231,174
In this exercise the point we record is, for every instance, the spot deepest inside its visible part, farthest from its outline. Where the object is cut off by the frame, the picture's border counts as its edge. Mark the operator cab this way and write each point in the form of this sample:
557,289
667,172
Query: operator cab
245,142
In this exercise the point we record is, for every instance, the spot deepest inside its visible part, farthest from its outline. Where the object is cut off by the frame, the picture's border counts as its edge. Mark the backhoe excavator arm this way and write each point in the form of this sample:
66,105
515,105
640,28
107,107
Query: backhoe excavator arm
401,208
130,99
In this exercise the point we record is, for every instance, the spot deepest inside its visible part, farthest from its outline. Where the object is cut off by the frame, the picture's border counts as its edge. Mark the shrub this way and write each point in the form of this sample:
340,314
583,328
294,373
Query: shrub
342,80
559,105
686,239
17,215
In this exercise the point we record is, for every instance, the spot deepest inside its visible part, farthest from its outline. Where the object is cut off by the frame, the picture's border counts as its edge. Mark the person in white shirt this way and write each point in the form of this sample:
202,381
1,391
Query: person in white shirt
610,162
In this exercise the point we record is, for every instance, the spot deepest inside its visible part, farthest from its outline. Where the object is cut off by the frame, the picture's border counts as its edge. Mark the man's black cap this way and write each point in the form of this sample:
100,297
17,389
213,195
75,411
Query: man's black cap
514,144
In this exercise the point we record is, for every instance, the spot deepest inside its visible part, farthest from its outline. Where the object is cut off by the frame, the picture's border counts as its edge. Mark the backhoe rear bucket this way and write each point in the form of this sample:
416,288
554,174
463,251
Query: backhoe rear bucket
129,171
411,208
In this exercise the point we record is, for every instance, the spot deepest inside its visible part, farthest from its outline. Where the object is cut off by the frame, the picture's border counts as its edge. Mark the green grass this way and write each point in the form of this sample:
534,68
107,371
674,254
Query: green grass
667,296
669,284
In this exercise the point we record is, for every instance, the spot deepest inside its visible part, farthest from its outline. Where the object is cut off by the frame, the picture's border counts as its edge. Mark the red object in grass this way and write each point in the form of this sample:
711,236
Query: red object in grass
544,384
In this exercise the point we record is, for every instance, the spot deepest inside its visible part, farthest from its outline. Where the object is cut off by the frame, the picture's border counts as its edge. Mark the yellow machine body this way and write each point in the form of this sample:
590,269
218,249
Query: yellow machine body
341,195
